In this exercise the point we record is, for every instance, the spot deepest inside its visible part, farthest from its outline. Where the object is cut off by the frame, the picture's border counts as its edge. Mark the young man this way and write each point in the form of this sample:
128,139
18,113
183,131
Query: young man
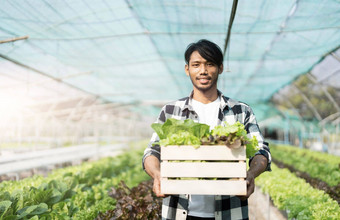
206,104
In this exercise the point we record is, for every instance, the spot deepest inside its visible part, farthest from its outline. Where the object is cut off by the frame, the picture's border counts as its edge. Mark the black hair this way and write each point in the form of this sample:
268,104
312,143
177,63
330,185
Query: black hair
207,49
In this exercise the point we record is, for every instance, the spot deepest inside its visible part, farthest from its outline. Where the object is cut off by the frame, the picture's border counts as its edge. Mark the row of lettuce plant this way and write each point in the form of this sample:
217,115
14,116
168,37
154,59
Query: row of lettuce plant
319,165
296,197
98,200
91,171
78,192
102,168
316,155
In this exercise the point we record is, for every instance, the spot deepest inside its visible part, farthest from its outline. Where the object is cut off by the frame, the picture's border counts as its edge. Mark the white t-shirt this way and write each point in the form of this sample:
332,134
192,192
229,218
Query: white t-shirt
204,205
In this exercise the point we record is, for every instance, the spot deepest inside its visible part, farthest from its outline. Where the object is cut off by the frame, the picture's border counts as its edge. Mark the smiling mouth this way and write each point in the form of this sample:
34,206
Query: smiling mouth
203,80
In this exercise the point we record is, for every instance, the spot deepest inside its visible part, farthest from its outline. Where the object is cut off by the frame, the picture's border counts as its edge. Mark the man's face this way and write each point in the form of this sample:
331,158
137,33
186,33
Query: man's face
203,74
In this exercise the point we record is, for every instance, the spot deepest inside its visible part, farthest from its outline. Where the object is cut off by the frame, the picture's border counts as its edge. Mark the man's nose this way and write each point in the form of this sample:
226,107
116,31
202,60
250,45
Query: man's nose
204,69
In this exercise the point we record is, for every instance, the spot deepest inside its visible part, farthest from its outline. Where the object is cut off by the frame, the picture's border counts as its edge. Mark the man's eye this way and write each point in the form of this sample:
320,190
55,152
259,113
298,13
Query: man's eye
195,65
210,64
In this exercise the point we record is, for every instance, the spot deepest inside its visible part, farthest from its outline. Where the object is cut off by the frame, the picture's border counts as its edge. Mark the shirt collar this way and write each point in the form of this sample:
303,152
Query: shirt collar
224,101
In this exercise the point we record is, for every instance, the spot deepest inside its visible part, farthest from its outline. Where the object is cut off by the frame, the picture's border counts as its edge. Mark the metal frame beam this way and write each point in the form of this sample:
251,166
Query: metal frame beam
329,118
310,105
329,96
13,39
48,76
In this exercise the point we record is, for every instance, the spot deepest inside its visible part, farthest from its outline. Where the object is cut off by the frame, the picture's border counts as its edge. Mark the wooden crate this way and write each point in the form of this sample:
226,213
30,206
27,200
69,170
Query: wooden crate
222,162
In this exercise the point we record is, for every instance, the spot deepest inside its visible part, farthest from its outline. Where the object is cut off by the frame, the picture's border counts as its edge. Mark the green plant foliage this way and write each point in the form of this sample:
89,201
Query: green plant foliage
316,164
180,132
78,192
298,198
182,138
134,203
188,132
236,130
252,147
234,134
4,206
33,210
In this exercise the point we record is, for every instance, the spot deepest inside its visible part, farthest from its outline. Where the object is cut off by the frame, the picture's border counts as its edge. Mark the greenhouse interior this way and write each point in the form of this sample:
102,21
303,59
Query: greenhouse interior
81,83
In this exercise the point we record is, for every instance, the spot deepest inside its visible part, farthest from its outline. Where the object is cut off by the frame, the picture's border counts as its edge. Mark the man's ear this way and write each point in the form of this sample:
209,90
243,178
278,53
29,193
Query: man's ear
220,69
186,68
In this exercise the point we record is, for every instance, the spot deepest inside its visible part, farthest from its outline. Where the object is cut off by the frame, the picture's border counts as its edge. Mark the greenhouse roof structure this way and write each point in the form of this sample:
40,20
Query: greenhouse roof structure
131,51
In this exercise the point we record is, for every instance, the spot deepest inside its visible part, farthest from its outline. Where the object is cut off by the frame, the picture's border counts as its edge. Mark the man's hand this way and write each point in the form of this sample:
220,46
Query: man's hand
157,187
151,164
250,186
257,166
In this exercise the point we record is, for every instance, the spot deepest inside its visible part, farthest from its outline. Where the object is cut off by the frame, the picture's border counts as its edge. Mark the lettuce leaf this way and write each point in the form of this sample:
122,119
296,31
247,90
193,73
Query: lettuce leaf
237,129
233,133
182,138
252,147
180,132
188,132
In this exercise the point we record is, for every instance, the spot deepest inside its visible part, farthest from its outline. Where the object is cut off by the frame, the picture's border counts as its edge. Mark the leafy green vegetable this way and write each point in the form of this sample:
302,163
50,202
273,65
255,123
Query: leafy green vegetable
316,164
158,129
252,147
188,132
233,136
180,132
33,210
4,205
221,130
133,203
77,192
233,132
183,138
291,193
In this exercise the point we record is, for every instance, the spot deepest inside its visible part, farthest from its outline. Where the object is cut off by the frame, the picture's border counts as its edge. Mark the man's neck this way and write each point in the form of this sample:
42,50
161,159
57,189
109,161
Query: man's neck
205,97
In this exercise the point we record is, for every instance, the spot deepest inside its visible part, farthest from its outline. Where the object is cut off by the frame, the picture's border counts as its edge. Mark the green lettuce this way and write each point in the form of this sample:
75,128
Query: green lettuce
235,133
252,147
188,132
180,132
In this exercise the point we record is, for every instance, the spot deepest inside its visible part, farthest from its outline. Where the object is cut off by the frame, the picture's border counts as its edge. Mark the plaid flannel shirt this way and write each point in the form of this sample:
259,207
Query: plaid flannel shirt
231,111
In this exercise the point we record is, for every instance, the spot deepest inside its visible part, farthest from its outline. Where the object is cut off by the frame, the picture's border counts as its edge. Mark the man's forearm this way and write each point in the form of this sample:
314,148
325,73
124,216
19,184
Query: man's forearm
152,166
258,165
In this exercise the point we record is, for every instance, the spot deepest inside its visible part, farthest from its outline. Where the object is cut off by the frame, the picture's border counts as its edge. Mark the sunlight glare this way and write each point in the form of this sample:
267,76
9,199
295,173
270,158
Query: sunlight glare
13,106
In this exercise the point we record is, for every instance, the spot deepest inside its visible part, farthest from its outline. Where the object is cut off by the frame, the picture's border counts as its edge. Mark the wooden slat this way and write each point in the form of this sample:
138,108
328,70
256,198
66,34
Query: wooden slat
208,169
204,187
204,152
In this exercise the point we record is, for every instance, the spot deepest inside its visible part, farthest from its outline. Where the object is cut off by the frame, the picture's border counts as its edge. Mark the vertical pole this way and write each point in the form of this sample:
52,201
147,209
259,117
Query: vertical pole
323,141
286,130
268,207
20,128
96,121
336,140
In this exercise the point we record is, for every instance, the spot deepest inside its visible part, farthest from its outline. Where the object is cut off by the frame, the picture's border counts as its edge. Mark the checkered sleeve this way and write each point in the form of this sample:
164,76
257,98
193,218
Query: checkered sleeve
253,130
153,147
170,110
